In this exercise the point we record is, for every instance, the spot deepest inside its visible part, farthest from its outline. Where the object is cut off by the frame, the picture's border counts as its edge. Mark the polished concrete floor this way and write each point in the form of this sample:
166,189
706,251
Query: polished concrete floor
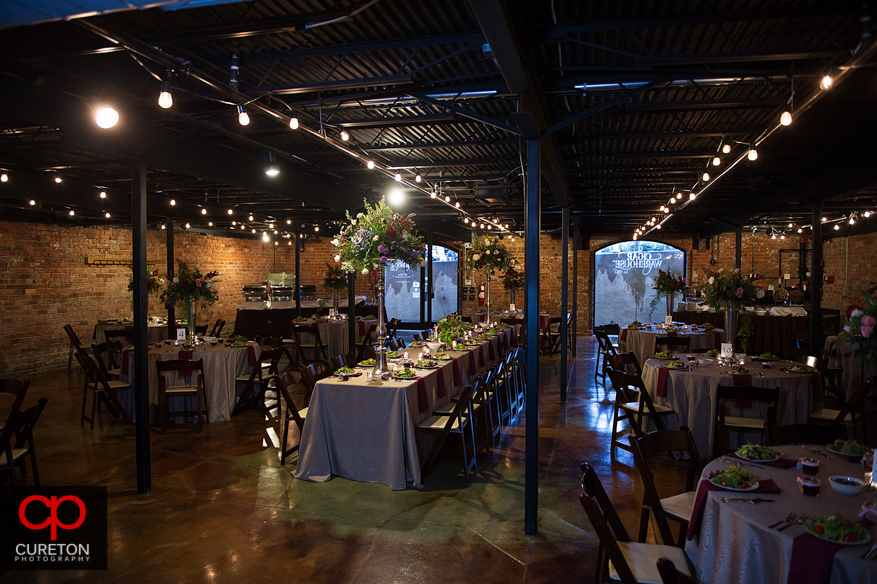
222,509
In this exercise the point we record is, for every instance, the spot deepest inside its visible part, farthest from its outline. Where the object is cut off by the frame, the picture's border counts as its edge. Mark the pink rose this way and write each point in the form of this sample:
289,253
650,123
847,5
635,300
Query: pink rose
869,320
866,330
739,292
199,281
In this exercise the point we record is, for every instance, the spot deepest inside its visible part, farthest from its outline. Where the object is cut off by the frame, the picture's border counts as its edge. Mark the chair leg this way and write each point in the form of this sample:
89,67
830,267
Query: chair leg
94,402
644,525
284,452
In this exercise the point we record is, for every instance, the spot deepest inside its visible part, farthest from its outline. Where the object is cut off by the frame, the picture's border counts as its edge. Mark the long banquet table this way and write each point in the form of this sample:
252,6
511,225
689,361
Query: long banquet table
221,365
365,431
736,546
693,395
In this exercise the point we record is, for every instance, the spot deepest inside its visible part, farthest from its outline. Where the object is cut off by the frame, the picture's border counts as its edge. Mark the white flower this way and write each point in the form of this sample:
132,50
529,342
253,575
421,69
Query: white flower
848,328
856,313
375,238
365,271
487,252
336,243
476,257
337,258
176,280
711,281
422,263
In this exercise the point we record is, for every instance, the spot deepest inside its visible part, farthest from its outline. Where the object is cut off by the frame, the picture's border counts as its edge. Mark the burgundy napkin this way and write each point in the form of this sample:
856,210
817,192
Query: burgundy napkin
718,340
481,317
765,487
481,356
490,351
811,560
441,382
129,328
123,370
422,401
458,381
816,394
472,369
251,355
185,356
781,463
742,381
623,336
671,334
663,373
361,328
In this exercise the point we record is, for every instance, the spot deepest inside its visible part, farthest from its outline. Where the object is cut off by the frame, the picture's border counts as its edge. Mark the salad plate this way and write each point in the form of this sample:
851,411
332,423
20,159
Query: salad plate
735,478
796,368
848,449
443,357
756,453
837,529
366,363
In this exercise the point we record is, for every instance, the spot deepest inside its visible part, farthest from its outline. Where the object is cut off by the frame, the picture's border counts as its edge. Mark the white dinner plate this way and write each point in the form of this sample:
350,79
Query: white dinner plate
866,540
756,460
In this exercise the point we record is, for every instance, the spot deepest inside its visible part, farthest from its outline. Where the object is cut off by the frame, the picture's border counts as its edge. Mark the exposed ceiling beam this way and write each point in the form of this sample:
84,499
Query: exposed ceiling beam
738,57
336,85
399,121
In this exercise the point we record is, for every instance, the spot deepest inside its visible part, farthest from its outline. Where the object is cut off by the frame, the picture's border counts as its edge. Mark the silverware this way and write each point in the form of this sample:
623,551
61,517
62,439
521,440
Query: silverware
868,553
789,519
752,501
817,451
800,520
736,461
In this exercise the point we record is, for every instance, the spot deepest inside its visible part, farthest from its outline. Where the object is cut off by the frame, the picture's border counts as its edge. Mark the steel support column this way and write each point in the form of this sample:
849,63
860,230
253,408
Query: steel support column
298,244
171,270
531,335
429,286
816,279
738,245
141,307
564,299
351,311
575,292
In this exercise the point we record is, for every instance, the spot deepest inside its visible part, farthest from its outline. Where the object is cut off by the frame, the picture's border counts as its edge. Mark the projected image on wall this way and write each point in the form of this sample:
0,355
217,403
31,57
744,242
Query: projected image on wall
624,280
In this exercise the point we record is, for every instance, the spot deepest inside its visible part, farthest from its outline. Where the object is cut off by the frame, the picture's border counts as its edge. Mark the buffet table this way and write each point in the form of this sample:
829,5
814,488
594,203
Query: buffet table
366,431
772,334
735,544
221,365
252,317
692,394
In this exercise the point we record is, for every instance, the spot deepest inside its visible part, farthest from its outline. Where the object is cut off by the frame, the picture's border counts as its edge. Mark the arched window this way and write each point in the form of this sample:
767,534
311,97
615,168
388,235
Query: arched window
624,280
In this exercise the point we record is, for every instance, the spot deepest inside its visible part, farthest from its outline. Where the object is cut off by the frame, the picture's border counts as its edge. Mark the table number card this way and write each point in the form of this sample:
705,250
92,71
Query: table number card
332,313
727,350
512,307
668,320
181,334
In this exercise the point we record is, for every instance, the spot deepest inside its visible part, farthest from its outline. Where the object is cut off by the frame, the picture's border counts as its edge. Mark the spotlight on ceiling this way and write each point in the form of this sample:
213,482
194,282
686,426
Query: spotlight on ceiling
272,169
105,116
395,197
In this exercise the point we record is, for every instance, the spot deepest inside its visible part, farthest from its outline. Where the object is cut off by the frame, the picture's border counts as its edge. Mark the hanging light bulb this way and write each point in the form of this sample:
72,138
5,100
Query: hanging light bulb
107,215
234,223
826,82
672,200
752,154
867,214
783,236
786,118
852,219
398,177
824,219
103,194
344,135
270,226
105,116
691,196
210,224
4,177
418,178
173,202
254,231
666,210
165,99
447,199
800,230
790,225
72,213
432,195
32,202
457,204
243,116
203,211
187,225
662,208
706,176
272,169
289,221
163,226
250,218
726,149
293,123
716,161
836,226
58,180
658,226
230,211
370,164
316,227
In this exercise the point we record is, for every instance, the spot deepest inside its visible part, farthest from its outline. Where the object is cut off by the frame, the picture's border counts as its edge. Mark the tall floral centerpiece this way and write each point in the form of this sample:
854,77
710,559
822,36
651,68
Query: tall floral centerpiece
189,288
512,280
860,332
369,241
154,282
730,290
667,283
335,280
489,254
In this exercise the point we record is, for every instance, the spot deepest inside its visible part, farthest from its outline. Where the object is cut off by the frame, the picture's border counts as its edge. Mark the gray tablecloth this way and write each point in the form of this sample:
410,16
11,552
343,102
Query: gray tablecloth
692,394
365,431
221,366
154,332
735,545
642,343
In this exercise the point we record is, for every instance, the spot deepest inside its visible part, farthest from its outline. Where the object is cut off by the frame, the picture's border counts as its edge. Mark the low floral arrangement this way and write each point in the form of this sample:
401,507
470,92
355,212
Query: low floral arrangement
451,327
490,254
191,284
377,236
335,278
860,332
513,280
154,281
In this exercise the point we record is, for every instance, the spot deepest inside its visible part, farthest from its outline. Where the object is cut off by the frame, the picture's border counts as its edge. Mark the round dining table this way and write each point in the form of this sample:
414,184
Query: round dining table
642,341
692,394
732,542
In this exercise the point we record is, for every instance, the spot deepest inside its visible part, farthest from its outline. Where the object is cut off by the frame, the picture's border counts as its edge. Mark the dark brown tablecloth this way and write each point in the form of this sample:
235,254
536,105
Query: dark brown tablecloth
774,334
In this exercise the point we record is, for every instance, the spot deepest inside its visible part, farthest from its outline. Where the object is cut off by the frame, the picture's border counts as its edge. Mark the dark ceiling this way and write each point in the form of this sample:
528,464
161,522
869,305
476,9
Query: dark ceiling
632,100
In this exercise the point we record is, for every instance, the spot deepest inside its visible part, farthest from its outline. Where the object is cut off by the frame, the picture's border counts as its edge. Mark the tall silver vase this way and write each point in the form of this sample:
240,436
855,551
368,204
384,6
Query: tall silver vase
731,314
192,314
669,296
381,365
488,295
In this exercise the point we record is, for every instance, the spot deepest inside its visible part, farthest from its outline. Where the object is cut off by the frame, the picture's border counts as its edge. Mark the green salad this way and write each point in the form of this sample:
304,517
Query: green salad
738,370
836,528
848,447
443,357
757,452
768,357
366,362
392,354
713,352
405,373
709,327
664,355
635,325
676,365
735,477
797,368
427,363
347,370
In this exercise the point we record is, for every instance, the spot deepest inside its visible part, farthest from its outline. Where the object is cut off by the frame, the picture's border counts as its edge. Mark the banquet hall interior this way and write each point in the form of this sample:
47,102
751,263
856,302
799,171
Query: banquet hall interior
440,290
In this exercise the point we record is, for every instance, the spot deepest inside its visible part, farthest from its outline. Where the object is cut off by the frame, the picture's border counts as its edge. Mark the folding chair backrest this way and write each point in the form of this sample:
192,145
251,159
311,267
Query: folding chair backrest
320,370
74,338
16,388
21,425
337,362
282,383
307,379
187,366
854,403
632,387
620,361
605,521
119,333
768,395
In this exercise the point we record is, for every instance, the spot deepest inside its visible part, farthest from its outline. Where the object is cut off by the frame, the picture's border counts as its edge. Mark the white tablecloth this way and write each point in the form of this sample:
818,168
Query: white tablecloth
642,342
735,545
154,332
787,311
692,394
221,366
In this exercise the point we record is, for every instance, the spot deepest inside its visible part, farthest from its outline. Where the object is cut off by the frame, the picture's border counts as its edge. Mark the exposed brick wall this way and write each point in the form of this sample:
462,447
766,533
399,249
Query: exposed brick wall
853,267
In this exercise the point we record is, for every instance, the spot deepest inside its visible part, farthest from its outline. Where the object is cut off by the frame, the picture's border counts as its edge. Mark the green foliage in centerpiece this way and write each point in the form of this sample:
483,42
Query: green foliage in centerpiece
191,284
513,280
731,289
451,327
667,283
335,278
859,331
154,281
377,236
490,254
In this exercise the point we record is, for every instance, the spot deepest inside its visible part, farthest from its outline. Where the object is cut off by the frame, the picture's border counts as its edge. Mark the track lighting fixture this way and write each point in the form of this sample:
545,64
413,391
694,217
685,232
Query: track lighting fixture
272,169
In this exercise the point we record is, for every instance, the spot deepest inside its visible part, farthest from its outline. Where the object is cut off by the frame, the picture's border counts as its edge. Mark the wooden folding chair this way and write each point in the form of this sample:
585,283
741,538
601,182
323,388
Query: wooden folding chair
618,558
827,378
103,390
293,414
315,344
634,405
550,336
459,422
107,358
851,413
217,328
250,396
17,389
676,507
605,348
74,344
307,379
194,370
366,343
320,370
620,361
671,575
17,444
743,398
